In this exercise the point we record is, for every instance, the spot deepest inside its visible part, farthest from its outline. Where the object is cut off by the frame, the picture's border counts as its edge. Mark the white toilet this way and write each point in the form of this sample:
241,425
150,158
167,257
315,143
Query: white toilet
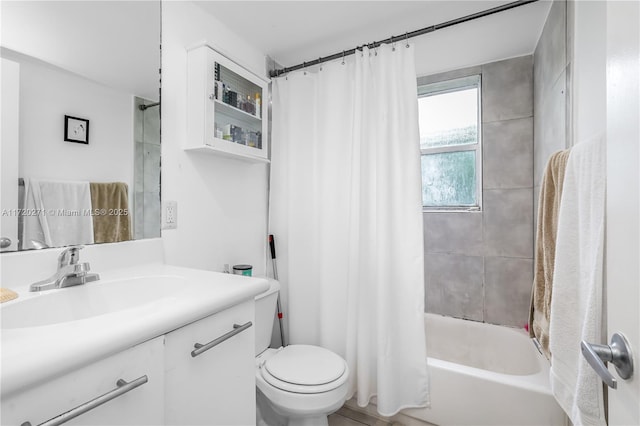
299,384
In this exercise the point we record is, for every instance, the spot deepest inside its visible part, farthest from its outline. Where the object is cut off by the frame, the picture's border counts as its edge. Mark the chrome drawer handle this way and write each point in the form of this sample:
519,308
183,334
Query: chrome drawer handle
200,348
123,387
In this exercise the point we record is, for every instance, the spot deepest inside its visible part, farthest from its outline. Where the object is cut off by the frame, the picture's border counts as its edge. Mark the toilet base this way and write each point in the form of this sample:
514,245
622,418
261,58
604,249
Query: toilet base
309,421
267,415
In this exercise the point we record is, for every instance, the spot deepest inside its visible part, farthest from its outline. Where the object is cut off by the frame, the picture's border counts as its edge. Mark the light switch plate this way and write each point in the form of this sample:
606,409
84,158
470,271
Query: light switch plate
169,214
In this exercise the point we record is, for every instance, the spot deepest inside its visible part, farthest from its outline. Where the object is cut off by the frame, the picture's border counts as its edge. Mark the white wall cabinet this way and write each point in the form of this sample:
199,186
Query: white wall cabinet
226,107
217,386
141,405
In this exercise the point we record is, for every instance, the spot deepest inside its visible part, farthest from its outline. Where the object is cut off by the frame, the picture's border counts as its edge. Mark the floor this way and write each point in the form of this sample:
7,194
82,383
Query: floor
348,417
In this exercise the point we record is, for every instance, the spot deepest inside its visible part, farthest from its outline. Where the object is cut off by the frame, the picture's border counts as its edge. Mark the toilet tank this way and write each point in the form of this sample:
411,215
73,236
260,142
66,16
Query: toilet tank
265,315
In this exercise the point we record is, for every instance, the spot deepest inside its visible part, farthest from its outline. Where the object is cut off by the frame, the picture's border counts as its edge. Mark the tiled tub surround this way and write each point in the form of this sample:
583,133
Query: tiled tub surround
551,97
146,171
479,265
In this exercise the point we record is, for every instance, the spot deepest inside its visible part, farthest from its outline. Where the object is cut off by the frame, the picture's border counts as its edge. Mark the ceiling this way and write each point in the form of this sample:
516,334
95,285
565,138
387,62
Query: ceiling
295,31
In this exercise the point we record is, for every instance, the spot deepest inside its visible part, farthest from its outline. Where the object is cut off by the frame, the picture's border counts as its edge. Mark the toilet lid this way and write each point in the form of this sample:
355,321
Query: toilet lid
305,365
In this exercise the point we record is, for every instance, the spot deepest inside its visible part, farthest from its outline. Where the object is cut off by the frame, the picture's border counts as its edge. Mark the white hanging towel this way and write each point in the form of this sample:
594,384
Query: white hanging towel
576,306
32,234
57,213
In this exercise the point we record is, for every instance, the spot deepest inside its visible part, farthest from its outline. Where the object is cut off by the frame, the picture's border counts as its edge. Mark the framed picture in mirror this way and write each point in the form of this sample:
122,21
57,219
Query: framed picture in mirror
76,129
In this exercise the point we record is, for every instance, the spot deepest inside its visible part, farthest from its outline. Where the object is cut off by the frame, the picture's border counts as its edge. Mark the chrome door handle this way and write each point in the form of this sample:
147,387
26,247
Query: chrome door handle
122,388
618,353
5,242
200,348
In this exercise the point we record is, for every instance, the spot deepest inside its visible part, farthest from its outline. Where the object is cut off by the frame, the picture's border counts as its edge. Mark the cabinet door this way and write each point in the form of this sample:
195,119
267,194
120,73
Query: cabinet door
216,387
141,405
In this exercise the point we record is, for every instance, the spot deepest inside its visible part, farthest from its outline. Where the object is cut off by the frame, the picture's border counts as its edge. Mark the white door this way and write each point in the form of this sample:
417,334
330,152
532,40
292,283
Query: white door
10,73
623,199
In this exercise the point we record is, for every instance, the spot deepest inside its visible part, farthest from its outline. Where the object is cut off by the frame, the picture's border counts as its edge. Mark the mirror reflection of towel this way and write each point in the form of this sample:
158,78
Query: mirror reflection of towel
110,204
57,213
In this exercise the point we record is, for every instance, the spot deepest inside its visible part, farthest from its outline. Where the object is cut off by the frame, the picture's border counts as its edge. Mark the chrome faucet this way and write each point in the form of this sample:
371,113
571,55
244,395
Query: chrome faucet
70,272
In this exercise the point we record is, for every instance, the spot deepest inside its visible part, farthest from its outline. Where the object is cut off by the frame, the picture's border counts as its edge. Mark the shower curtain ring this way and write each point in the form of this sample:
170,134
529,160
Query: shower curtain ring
304,67
406,38
393,45
320,62
343,57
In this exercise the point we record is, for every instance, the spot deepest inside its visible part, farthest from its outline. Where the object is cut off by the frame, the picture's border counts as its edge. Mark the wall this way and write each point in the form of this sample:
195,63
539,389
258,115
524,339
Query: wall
22,268
589,38
47,94
479,265
222,202
569,80
9,134
551,76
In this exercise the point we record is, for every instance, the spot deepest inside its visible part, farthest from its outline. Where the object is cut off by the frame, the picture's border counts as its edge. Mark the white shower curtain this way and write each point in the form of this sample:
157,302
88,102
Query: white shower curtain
346,212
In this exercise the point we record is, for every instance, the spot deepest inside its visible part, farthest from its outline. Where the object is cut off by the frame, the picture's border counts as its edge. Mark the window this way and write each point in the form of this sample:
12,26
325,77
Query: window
449,115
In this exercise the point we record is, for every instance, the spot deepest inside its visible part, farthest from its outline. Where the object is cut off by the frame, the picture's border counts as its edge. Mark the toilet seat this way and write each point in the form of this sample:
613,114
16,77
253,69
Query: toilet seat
304,369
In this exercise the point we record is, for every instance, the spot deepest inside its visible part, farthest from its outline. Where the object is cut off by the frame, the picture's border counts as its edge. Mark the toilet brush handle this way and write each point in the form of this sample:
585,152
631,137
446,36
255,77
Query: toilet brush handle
272,246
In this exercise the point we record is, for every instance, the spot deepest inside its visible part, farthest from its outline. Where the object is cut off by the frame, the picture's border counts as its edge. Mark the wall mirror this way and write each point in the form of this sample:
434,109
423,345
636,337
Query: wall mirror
80,160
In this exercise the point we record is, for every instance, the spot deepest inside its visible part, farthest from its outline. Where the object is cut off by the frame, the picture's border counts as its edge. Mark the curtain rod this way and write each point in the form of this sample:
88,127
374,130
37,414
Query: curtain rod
392,39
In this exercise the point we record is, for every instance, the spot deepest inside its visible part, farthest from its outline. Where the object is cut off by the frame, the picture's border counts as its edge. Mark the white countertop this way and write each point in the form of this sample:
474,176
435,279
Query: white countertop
33,354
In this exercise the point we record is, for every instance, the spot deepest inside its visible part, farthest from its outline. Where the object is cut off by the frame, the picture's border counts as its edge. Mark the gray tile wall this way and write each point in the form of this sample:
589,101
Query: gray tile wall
146,216
551,97
479,265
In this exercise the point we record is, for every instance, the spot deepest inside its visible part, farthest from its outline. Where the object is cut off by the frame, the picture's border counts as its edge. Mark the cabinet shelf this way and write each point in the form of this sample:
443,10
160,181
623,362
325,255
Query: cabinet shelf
236,113
230,152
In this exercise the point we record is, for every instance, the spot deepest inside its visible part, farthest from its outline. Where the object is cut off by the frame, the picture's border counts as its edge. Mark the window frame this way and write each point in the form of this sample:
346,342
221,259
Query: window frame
450,86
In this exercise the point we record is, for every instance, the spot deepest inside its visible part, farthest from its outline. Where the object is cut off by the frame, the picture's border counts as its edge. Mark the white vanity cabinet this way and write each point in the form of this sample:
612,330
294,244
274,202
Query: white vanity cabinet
217,385
176,346
141,405
227,107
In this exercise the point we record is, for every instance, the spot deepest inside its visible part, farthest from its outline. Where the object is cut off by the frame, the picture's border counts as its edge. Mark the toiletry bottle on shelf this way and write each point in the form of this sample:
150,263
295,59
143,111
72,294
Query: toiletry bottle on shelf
253,140
227,132
216,80
241,102
233,99
258,105
219,91
238,136
251,106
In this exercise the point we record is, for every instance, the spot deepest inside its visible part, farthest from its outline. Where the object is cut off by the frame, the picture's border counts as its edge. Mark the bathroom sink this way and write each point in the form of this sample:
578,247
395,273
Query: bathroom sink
89,300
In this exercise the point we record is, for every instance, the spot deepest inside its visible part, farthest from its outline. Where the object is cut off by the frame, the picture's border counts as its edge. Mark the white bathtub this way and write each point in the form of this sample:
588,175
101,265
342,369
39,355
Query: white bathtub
483,374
